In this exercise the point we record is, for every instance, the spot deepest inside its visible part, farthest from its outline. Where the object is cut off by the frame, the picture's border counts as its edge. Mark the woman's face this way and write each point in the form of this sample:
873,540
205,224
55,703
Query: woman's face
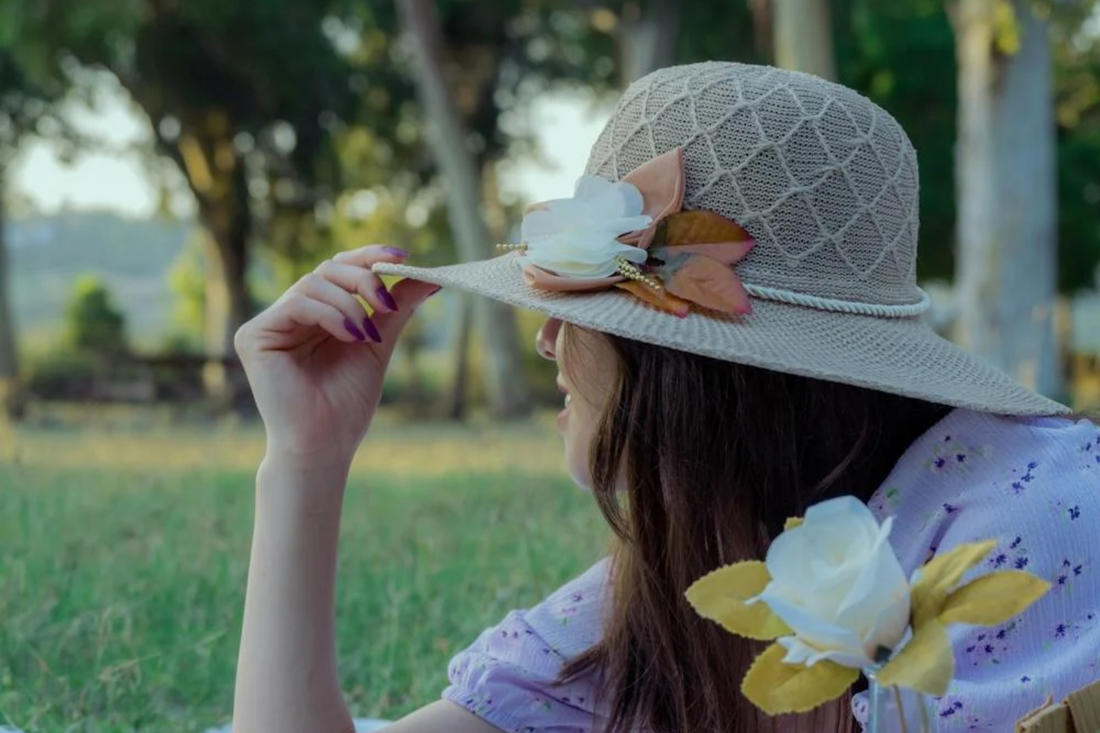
585,376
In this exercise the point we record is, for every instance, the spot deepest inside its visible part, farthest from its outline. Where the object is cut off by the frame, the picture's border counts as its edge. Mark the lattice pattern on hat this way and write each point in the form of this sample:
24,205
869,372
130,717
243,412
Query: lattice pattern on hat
824,180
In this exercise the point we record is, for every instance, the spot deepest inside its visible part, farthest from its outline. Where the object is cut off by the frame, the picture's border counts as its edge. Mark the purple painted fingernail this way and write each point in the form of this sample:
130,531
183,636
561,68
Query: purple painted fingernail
386,298
372,330
354,330
395,251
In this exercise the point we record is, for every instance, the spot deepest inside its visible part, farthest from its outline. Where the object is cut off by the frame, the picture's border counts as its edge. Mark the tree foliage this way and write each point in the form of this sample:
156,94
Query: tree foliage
94,324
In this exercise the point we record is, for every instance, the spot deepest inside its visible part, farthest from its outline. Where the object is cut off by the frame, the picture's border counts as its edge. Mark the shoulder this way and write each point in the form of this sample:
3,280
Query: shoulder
986,474
1032,486
509,675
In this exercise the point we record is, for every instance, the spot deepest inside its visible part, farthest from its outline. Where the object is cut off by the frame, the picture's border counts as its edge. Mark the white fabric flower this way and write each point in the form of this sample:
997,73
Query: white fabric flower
577,237
838,584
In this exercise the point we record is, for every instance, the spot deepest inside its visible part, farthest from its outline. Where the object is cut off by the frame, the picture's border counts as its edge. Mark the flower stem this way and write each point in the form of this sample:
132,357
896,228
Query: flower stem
901,708
925,722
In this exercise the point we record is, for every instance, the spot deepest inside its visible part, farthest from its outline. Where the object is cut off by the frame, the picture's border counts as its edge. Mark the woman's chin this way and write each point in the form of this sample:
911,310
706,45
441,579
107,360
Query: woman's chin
563,418
581,478
577,465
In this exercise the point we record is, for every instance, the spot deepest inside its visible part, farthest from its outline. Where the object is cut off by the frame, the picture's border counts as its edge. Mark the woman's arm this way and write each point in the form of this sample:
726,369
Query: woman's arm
286,673
316,362
286,676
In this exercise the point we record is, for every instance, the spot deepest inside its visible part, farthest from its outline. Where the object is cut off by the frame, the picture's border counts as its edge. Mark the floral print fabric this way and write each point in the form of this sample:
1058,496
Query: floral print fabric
1031,484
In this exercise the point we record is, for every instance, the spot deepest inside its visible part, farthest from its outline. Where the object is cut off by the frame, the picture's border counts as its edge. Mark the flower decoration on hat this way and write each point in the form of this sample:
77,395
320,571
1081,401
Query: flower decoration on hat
833,598
634,235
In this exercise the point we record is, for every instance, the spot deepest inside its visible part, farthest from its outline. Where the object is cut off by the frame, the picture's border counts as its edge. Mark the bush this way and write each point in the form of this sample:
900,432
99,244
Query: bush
94,325
187,283
65,374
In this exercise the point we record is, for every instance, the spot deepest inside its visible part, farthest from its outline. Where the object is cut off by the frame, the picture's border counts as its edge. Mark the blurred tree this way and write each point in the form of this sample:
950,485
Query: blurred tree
1007,245
26,108
1077,94
186,281
243,97
804,37
648,35
448,137
93,322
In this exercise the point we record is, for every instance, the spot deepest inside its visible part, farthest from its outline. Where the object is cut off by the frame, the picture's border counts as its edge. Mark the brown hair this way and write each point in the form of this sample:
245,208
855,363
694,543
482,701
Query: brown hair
698,463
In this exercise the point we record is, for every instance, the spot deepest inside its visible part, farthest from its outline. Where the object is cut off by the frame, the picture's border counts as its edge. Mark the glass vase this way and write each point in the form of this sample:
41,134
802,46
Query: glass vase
896,709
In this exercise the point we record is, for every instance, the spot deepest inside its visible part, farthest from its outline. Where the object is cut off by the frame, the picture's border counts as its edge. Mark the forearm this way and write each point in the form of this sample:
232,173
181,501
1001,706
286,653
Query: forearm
286,673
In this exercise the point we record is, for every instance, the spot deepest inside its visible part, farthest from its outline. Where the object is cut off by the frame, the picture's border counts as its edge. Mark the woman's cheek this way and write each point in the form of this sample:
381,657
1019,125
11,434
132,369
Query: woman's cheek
578,445
579,434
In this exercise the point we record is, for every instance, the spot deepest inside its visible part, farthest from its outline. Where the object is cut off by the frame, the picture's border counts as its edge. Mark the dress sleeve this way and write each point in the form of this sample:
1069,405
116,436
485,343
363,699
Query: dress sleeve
1035,489
508,677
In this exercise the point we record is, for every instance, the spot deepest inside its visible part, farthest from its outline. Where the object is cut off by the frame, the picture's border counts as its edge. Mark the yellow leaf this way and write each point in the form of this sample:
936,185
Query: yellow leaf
778,688
662,300
793,522
940,575
721,595
993,599
925,664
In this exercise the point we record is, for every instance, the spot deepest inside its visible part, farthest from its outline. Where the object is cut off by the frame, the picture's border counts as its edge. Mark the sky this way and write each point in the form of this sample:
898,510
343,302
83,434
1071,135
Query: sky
117,181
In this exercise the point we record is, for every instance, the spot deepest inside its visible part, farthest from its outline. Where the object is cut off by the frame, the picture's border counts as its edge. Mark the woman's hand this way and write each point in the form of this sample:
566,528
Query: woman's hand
316,361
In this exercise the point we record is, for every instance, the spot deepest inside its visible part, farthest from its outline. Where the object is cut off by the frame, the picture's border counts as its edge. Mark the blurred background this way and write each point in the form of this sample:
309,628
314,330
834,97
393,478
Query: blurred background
167,168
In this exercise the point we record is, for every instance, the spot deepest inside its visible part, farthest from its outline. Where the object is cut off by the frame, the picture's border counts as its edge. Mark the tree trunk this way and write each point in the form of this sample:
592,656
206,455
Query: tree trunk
206,155
504,379
804,37
976,182
647,39
228,306
1025,148
1007,230
460,388
762,26
12,392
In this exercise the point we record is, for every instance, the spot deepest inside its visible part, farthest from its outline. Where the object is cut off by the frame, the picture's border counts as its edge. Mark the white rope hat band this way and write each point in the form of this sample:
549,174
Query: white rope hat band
841,306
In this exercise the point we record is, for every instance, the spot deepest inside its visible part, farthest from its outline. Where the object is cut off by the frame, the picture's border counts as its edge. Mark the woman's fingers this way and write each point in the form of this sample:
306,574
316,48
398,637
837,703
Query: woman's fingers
361,281
409,294
302,310
372,254
318,287
326,299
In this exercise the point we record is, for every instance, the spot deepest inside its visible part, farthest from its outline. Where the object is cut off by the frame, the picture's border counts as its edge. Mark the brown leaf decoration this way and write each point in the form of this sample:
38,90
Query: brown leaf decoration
662,300
710,284
728,253
700,227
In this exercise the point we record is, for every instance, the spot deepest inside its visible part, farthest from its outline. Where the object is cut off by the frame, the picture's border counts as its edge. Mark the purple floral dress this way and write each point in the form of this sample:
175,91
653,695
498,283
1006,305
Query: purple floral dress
1031,484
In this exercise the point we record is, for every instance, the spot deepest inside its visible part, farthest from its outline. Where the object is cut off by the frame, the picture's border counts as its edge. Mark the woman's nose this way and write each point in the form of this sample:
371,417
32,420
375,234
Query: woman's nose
547,339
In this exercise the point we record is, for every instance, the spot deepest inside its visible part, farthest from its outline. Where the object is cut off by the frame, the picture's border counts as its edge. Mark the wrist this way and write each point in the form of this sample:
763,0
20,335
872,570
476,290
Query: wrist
295,456
313,485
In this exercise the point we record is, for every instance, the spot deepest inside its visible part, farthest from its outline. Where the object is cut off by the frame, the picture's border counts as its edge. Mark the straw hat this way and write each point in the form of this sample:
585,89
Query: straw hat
823,181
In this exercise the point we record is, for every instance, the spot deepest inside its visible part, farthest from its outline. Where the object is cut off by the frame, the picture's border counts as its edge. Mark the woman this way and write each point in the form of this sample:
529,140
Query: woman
723,369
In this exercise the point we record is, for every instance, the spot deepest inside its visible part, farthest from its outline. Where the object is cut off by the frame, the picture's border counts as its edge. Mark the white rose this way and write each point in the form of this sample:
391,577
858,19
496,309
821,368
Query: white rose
577,237
838,585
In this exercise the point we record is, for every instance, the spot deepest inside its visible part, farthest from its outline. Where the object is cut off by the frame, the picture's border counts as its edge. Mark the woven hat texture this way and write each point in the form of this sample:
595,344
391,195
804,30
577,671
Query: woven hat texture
826,182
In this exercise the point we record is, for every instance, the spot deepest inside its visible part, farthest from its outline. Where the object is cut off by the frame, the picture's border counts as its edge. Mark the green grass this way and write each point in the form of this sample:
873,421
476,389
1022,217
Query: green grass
123,556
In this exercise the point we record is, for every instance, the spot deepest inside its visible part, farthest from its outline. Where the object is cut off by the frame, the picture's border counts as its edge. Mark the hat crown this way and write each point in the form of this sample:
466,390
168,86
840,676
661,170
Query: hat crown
824,180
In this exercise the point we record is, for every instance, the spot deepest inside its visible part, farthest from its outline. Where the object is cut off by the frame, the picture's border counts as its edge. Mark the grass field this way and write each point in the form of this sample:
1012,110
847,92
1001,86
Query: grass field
123,554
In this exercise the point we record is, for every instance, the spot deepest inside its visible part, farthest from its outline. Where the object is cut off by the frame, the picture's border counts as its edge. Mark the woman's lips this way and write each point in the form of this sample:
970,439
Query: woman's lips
568,398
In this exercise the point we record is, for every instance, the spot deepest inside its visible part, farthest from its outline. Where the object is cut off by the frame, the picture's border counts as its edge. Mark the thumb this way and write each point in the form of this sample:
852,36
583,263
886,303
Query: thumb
409,295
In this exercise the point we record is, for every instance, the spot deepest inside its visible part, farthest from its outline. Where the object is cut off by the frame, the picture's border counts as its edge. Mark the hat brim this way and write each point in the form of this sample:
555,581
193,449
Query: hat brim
897,355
